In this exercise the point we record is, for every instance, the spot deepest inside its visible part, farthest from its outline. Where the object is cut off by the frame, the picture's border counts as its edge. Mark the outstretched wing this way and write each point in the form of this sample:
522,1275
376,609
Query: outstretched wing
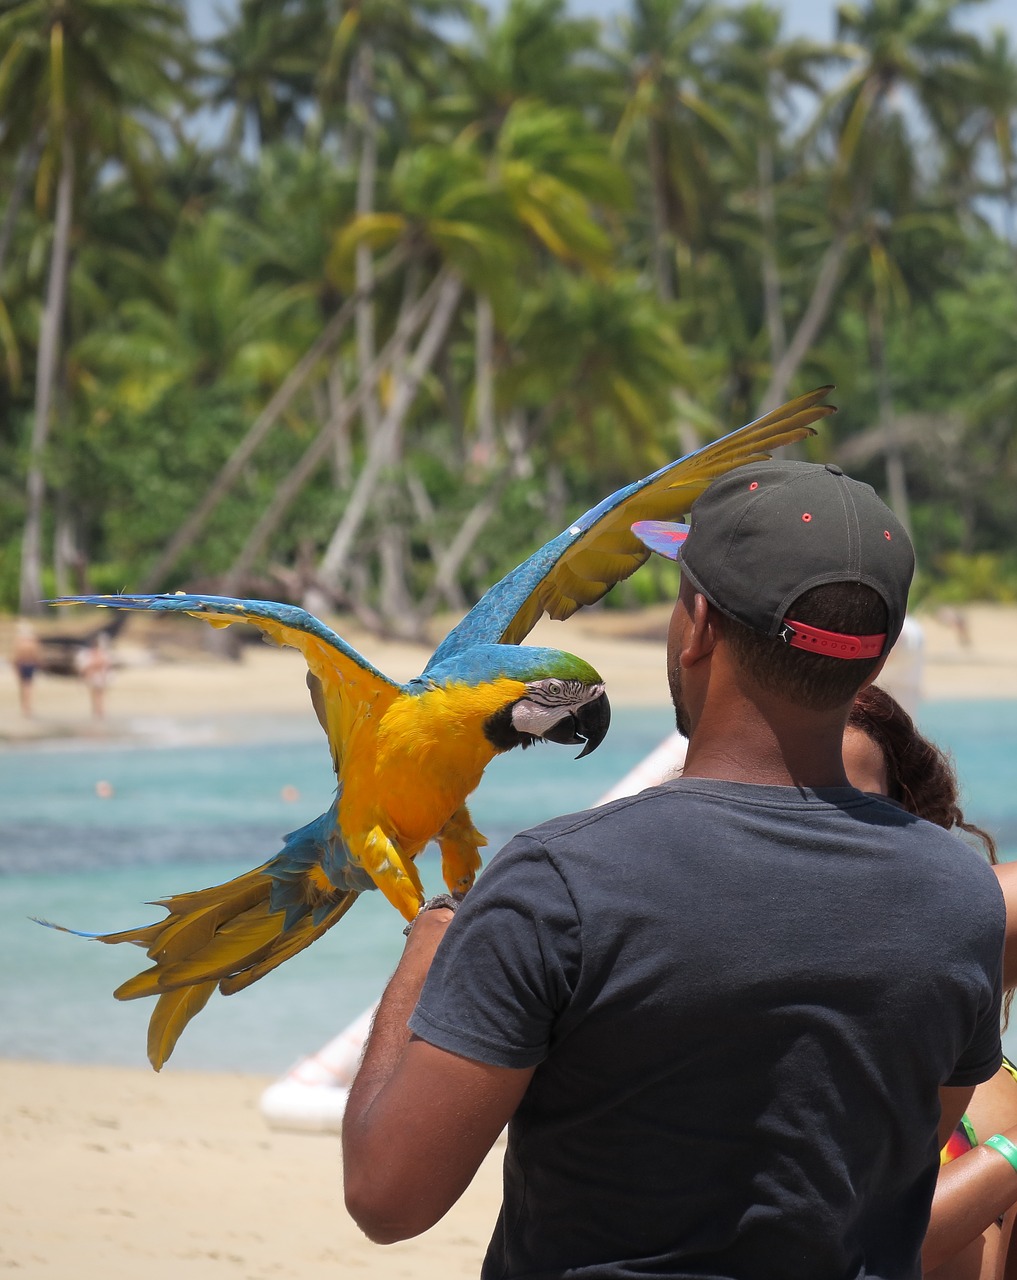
351,684
599,549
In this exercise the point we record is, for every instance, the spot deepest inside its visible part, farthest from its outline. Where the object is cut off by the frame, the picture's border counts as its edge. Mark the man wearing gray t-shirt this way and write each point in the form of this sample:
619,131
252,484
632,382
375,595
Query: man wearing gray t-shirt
730,1020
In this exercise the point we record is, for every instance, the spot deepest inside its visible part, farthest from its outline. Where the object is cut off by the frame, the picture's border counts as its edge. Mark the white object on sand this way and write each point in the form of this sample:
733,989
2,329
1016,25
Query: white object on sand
312,1094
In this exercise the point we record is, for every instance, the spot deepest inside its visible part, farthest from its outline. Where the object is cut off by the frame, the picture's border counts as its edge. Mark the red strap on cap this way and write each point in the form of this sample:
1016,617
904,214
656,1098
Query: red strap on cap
831,643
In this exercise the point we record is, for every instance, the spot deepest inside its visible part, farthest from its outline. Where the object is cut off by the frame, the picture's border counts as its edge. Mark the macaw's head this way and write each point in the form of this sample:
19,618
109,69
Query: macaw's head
564,699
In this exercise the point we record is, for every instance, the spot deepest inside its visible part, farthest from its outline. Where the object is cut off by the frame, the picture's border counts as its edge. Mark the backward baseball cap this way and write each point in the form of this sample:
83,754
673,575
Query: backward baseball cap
763,534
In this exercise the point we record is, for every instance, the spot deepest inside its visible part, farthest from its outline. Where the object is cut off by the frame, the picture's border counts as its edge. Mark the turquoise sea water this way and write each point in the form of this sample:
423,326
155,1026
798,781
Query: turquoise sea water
181,818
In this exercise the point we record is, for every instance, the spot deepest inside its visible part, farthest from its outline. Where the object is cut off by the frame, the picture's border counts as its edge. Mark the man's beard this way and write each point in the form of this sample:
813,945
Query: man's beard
681,712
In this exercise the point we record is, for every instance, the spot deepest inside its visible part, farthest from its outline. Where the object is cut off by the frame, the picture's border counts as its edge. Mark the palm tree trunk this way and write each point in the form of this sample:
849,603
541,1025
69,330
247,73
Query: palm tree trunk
342,456
317,451
449,289
771,270
484,375
825,289
813,318
45,384
896,479
362,108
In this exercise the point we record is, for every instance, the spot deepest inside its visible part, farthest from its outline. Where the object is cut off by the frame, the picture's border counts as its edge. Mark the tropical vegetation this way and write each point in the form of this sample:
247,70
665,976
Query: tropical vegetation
355,302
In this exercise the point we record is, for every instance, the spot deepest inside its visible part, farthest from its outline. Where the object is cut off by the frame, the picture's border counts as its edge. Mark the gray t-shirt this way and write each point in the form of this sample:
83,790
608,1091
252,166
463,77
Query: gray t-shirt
741,1002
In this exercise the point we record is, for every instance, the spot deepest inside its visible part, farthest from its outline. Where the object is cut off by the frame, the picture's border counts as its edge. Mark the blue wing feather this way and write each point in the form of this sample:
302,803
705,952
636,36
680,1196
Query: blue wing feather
283,623
582,563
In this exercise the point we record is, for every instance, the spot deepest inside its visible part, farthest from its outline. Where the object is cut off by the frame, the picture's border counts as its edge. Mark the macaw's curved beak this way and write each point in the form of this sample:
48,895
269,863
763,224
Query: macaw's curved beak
589,724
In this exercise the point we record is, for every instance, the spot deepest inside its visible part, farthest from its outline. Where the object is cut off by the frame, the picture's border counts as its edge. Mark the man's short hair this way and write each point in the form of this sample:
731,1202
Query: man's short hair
811,680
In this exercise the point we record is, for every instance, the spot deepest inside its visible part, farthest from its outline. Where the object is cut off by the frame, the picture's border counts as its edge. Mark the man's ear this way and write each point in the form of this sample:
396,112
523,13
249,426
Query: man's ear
702,635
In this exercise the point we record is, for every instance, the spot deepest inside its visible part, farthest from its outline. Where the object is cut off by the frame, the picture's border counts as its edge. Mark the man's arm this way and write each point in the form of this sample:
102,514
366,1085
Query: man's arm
419,1120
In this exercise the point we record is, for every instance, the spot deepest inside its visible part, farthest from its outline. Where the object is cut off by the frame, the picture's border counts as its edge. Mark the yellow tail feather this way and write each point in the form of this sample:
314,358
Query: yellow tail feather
295,941
226,936
173,1011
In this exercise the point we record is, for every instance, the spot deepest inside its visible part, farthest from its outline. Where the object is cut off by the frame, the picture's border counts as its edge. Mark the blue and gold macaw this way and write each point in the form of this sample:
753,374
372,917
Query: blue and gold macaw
407,756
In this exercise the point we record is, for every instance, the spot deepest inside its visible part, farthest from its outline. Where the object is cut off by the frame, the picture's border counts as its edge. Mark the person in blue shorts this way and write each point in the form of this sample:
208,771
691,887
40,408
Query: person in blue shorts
721,1018
26,657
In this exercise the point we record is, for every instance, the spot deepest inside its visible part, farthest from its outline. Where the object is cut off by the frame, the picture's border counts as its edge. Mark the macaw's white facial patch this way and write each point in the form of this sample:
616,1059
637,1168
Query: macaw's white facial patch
549,701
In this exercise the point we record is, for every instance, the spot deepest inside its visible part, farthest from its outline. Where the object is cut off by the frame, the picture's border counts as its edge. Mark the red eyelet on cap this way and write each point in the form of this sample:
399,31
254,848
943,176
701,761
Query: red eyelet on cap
806,517
886,535
753,485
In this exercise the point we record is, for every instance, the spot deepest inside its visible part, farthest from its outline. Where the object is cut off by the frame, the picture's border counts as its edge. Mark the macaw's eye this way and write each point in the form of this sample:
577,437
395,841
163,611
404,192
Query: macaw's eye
556,688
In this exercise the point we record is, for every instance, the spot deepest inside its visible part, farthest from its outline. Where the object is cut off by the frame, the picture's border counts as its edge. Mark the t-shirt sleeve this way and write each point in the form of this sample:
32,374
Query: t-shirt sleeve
507,965
982,1058
983,1055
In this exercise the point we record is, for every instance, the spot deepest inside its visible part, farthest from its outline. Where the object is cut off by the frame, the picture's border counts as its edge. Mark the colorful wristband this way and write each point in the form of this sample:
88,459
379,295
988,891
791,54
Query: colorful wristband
1005,1148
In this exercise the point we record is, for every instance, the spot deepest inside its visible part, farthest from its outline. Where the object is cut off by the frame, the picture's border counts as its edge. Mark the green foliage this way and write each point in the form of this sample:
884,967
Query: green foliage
641,219
959,578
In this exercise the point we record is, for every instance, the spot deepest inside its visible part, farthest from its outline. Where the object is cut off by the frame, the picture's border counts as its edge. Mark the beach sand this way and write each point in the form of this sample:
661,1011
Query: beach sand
113,1173
110,1173
168,686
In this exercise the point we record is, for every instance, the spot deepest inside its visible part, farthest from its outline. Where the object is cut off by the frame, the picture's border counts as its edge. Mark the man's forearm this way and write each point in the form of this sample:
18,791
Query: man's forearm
389,1033
419,1119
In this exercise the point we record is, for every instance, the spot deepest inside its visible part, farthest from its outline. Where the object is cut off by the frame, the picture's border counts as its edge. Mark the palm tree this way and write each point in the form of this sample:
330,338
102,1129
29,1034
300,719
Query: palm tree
764,82
531,56
992,120
905,253
533,50
263,69
384,50
447,214
911,59
201,317
486,211
670,108
114,60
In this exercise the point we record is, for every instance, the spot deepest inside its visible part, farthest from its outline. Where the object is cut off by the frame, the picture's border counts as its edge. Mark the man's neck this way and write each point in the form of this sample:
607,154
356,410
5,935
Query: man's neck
768,746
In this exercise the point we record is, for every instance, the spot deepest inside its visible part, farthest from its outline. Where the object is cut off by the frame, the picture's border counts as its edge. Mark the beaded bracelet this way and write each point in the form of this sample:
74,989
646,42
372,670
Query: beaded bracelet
1005,1148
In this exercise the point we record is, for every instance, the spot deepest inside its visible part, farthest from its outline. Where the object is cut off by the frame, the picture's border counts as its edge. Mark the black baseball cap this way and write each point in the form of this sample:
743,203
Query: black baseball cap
763,534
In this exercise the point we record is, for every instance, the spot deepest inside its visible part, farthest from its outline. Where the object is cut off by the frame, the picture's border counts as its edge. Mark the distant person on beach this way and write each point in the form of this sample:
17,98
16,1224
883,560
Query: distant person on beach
26,658
93,664
730,1020
976,1195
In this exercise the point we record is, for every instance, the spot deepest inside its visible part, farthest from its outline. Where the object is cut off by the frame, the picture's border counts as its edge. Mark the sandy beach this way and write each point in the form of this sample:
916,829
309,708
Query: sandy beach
113,1173
168,685
116,1173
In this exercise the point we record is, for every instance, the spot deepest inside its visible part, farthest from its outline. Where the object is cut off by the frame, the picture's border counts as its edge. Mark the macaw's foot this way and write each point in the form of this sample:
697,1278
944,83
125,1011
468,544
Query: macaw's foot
394,875
460,843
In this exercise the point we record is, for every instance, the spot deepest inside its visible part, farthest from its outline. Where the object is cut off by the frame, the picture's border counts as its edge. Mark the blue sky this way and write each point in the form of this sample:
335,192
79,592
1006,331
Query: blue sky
804,17
817,17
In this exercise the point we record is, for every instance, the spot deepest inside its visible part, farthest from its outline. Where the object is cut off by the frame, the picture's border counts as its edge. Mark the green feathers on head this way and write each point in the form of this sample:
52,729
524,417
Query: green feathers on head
518,662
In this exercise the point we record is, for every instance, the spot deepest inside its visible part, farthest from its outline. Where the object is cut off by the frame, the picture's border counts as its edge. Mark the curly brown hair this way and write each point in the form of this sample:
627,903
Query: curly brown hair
921,775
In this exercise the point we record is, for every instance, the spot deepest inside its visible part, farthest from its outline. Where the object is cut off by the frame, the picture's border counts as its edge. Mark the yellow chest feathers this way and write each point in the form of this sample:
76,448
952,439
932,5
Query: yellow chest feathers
443,730
429,753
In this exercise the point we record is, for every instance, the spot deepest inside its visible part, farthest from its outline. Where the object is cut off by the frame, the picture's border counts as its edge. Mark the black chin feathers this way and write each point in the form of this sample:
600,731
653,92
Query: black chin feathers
502,733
